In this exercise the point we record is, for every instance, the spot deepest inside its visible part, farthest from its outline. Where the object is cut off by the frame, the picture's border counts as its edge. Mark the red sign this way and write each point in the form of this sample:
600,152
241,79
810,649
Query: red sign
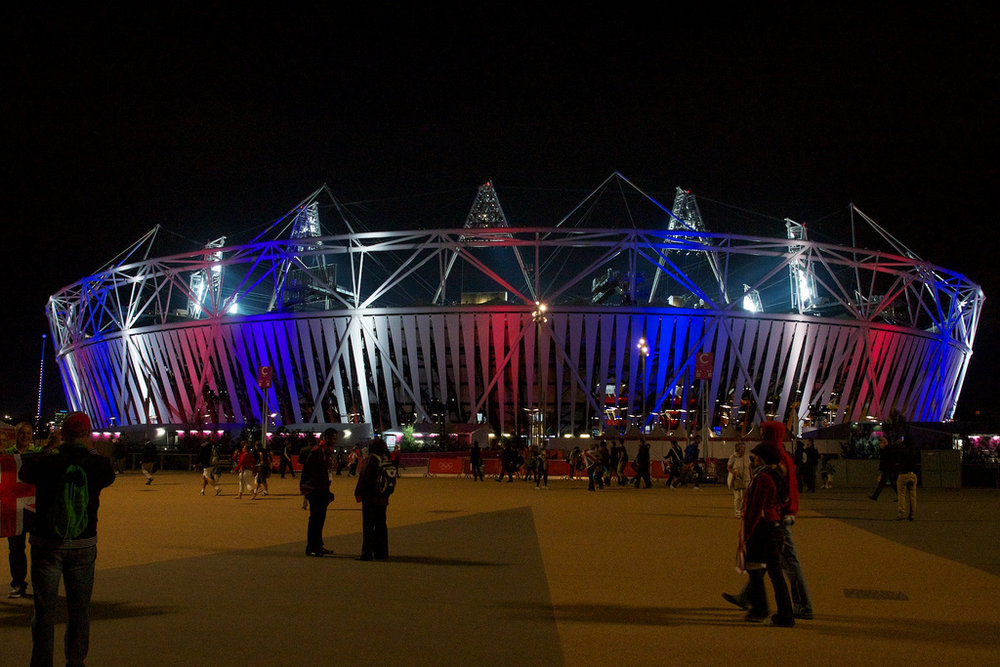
703,364
264,377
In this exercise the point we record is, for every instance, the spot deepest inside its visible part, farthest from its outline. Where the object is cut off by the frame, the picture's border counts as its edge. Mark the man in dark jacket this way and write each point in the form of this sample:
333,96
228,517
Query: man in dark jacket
314,484
61,552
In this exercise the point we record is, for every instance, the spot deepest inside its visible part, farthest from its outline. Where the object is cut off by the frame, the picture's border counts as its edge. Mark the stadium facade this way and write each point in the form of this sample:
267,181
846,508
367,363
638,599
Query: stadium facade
624,310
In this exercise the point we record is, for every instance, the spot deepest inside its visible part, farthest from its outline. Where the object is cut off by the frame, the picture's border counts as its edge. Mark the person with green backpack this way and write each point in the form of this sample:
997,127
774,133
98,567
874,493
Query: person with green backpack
68,484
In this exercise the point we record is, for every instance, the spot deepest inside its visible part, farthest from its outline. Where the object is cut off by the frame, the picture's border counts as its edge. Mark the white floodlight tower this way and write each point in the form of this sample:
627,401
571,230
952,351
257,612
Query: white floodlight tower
751,300
294,281
204,279
800,272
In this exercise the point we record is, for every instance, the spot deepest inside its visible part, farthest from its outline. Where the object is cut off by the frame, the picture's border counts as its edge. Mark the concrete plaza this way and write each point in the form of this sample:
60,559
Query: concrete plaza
504,574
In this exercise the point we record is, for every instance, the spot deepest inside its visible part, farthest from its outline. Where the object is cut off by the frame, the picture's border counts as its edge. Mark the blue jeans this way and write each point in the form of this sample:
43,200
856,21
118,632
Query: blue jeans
801,603
76,568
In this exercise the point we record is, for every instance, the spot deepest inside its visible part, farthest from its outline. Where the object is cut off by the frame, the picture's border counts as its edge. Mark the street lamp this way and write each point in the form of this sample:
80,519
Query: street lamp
539,317
643,347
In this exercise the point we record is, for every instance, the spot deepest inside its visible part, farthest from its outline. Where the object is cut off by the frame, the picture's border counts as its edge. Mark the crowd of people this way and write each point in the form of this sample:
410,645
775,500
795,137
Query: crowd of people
765,482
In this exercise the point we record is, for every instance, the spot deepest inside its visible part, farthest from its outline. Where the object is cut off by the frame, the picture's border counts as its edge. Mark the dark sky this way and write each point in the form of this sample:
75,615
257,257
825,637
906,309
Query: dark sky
205,122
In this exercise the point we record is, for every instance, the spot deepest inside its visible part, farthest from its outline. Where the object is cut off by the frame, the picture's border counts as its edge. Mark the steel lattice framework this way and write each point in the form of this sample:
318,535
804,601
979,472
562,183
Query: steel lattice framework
388,326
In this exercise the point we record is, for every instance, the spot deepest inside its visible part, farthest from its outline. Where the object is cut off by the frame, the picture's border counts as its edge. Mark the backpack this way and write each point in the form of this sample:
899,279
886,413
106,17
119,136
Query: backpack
385,480
304,454
69,517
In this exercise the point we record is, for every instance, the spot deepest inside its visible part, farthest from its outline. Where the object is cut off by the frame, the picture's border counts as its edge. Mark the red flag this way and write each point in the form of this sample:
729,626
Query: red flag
17,499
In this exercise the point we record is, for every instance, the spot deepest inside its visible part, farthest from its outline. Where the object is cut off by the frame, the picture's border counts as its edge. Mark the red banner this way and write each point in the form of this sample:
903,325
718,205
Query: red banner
444,466
703,364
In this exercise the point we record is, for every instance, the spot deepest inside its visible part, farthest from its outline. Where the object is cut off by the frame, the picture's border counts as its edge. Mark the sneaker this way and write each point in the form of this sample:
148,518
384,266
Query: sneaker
782,622
804,615
753,618
17,592
203,492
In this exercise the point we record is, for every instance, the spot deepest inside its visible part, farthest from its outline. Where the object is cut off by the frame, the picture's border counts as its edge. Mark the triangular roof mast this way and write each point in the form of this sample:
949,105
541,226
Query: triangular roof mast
686,215
486,213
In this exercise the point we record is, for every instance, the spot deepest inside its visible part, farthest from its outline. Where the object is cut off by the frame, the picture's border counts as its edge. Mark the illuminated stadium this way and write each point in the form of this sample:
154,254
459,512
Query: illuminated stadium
616,310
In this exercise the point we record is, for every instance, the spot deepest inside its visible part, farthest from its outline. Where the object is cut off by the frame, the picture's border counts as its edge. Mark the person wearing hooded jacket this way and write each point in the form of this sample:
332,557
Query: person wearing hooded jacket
374,533
774,432
761,535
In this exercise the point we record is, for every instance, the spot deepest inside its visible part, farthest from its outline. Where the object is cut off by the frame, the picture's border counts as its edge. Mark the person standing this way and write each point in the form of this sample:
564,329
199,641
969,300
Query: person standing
575,461
738,468
475,462
119,452
314,484
906,480
17,548
542,467
811,465
148,460
65,550
886,467
374,502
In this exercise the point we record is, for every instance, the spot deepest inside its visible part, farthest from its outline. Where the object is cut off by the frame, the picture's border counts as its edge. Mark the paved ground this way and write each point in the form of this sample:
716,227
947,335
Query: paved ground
491,574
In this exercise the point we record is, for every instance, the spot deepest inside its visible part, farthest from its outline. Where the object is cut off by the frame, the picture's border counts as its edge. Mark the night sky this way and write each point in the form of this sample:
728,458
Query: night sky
210,123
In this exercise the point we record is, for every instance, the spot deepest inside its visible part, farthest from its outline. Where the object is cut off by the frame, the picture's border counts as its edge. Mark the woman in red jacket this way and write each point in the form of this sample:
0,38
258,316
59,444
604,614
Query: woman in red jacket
761,535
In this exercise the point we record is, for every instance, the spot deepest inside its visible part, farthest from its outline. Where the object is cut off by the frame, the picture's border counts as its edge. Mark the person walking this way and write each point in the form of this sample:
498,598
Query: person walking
65,548
773,433
207,460
374,501
285,463
761,536
314,484
149,455
642,466
674,462
887,460
243,464
262,470
595,471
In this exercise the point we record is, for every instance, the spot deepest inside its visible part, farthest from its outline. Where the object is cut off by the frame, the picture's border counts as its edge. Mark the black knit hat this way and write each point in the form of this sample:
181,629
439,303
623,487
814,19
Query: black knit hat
768,452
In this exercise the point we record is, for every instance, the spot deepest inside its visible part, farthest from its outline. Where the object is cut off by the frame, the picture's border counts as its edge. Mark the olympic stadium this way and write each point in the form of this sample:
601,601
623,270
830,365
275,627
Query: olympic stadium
615,310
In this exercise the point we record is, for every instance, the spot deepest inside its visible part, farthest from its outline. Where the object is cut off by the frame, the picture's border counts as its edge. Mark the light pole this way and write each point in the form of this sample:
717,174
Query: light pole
539,317
643,347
